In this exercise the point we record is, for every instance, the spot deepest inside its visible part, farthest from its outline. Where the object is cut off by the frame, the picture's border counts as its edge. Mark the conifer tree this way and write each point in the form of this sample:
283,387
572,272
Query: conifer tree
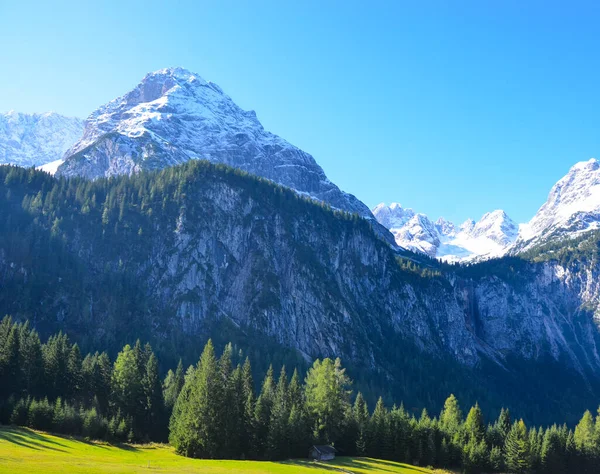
360,414
155,419
504,424
75,380
247,436
451,416
194,424
172,386
474,423
517,449
262,414
327,399
378,435
278,436
126,383
31,360
553,452
298,429
9,360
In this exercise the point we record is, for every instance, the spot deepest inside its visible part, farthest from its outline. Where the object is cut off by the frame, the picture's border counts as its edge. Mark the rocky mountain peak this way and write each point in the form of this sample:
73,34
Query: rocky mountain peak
174,115
573,206
496,226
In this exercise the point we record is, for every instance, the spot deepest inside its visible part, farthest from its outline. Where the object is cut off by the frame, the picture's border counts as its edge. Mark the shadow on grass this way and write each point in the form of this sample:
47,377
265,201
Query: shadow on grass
29,439
347,465
398,465
310,465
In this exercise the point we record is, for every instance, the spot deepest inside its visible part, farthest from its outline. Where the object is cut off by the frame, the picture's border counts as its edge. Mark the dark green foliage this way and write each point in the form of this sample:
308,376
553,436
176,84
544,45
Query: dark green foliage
217,414
49,387
172,386
84,247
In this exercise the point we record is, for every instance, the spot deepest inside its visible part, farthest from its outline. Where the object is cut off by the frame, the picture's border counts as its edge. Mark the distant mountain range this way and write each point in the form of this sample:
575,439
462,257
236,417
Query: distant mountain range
490,237
36,139
572,207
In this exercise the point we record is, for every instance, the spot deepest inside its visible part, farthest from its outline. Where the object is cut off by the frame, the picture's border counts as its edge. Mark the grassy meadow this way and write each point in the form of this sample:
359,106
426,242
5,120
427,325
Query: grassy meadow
26,451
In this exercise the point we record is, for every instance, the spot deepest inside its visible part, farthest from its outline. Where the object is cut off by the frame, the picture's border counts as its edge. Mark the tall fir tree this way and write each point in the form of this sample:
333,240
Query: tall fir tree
517,449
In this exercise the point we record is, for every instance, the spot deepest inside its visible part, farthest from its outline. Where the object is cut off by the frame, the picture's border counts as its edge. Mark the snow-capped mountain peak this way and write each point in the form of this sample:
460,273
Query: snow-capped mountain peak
392,216
174,115
36,139
491,236
496,226
572,207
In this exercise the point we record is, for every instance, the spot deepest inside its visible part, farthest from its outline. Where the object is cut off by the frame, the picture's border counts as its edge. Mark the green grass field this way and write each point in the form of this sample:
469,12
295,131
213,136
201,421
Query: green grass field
26,451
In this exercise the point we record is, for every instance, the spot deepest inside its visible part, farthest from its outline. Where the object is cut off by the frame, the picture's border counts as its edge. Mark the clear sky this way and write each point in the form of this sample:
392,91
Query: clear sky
452,108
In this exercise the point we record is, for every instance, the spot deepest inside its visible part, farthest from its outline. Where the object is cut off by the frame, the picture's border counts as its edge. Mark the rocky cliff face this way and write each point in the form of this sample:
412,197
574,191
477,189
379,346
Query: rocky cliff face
36,139
225,246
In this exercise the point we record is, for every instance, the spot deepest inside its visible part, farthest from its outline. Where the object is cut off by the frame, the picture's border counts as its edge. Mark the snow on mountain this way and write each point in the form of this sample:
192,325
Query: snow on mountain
490,237
572,207
36,139
174,115
52,167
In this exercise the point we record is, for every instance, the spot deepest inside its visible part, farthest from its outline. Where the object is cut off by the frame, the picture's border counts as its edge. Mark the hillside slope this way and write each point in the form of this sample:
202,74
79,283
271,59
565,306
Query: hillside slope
202,250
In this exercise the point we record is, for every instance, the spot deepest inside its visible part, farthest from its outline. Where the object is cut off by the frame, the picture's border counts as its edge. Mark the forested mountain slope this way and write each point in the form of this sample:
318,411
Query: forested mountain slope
199,250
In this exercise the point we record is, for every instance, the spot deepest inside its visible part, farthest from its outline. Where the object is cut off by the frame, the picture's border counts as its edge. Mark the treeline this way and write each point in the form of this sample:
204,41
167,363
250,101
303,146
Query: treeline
218,415
213,411
52,387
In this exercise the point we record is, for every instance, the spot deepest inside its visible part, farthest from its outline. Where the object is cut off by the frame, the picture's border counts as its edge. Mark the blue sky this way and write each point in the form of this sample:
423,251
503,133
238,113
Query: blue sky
452,108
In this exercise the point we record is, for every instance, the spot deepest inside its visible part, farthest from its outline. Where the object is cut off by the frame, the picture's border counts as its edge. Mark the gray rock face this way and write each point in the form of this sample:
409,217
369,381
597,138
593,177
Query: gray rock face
36,139
325,286
174,115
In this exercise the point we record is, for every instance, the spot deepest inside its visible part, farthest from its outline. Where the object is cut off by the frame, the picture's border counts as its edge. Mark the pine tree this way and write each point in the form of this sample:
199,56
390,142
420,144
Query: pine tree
247,436
74,376
297,422
474,423
194,425
127,390
278,436
172,386
31,360
553,452
518,455
10,375
496,459
504,424
155,418
475,456
360,413
378,433
327,399
451,416
586,442
262,414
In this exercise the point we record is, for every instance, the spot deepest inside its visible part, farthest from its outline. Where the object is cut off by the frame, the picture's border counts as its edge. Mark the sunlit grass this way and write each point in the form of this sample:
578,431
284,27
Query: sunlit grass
26,451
